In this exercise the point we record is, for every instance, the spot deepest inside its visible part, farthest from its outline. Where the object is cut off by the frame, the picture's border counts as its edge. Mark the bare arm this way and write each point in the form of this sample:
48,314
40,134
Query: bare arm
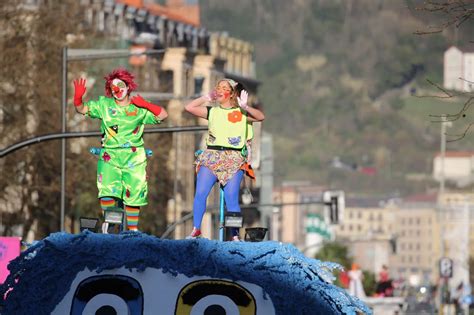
254,114
163,114
196,107
82,109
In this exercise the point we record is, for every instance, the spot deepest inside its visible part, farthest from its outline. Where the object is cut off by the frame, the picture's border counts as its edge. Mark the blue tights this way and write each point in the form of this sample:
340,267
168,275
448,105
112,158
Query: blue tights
205,180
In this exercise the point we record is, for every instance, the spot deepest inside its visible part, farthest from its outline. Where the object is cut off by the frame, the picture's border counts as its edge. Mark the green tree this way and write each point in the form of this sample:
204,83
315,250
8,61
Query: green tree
335,252
369,282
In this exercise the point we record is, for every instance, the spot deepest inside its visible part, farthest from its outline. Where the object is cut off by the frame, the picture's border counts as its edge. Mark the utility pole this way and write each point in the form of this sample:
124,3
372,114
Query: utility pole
442,155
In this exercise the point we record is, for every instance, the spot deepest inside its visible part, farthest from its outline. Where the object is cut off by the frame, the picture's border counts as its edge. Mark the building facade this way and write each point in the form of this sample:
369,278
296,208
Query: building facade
456,167
459,69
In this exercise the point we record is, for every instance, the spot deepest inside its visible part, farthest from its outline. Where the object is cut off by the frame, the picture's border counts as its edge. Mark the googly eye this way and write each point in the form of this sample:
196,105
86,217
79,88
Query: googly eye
215,297
108,294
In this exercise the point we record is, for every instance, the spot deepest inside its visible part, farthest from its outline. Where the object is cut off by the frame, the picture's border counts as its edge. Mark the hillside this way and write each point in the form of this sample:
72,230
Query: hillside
341,81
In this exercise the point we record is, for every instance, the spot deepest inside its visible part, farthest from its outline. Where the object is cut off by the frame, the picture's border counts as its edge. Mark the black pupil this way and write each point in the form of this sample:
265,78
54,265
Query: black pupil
214,310
106,310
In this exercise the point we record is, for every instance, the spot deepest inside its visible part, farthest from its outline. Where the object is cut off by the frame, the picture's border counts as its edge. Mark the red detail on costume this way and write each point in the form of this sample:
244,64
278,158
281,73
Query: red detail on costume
247,168
140,102
134,113
79,91
234,116
134,149
127,193
106,157
121,74
136,130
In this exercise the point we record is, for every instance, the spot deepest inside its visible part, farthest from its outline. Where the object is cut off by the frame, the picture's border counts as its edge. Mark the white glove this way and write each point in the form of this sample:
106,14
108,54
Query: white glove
212,96
242,100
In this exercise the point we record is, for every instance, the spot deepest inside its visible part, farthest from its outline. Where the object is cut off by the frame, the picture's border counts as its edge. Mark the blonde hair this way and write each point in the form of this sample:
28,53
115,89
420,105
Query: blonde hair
233,85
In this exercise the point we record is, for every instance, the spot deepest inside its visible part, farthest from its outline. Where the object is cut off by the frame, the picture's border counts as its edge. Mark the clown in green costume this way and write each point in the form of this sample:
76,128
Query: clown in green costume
121,170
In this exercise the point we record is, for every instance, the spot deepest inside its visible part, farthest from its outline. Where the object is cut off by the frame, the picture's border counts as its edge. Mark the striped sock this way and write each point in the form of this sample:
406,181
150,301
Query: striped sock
107,203
132,217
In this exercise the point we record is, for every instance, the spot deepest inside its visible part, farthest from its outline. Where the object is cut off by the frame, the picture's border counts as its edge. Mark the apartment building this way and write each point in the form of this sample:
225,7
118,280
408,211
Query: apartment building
367,230
299,216
455,167
400,233
417,230
459,69
456,211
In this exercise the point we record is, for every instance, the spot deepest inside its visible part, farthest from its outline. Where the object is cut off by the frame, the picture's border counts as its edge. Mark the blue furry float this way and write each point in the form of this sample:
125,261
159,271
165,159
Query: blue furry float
135,273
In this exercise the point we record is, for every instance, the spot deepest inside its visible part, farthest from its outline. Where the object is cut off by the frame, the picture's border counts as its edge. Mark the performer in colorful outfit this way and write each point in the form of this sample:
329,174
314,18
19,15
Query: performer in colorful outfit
226,157
121,170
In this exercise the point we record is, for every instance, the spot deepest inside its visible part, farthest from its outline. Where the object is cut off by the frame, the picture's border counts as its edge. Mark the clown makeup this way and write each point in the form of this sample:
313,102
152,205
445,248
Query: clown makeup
119,89
223,90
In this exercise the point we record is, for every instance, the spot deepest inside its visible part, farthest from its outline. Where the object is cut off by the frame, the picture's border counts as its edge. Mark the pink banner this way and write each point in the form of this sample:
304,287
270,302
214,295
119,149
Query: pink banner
9,249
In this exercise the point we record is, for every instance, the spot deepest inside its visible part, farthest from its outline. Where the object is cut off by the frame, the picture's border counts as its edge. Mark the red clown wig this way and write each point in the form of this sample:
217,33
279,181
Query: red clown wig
121,74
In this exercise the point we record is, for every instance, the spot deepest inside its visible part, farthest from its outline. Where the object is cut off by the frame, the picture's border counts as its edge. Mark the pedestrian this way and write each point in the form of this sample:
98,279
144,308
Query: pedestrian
225,158
355,284
121,169
384,284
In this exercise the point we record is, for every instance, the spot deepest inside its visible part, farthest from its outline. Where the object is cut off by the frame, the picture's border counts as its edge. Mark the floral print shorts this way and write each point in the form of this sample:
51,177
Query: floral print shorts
224,164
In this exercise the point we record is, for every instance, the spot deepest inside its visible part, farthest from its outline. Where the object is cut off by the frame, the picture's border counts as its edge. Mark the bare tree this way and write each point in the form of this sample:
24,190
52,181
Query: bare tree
450,14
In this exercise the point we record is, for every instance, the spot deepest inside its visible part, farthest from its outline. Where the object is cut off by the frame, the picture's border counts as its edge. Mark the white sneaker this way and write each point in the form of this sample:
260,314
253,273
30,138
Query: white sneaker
105,228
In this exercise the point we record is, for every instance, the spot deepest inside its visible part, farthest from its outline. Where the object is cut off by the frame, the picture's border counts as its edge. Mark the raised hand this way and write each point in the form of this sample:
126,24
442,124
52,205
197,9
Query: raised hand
141,102
212,96
79,91
243,100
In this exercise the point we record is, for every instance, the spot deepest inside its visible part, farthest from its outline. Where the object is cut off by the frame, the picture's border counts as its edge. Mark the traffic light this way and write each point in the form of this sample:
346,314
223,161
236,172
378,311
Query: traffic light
334,202
393,244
